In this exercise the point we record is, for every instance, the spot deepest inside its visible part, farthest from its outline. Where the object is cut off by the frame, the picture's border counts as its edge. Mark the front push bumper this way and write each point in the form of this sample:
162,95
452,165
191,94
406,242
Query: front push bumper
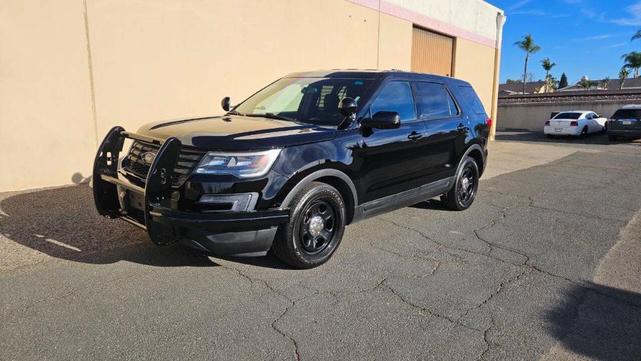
153,206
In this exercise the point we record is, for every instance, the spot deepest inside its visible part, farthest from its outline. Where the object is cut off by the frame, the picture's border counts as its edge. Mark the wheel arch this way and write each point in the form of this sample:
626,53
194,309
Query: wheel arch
337,179
478,154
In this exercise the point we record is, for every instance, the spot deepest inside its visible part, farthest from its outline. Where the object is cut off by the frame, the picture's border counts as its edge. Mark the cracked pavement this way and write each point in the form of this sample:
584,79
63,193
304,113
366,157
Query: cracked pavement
531,271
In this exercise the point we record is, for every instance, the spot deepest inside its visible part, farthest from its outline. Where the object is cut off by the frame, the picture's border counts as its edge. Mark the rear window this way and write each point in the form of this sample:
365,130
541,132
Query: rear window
434,101
470,97
627,114
568,116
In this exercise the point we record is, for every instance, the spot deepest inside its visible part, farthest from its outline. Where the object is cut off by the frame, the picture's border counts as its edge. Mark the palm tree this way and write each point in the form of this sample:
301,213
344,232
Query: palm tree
585,83
632,61
547,65
636,36
529,47
623,74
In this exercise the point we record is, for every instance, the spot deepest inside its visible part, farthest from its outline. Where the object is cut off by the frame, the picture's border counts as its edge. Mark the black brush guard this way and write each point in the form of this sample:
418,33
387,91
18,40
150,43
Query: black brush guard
162,220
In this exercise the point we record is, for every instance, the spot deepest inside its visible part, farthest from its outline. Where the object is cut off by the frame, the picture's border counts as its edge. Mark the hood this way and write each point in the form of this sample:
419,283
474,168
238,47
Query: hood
234,132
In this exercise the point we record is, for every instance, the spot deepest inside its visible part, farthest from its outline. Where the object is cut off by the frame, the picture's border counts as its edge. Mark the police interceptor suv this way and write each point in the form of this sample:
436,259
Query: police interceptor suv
288,168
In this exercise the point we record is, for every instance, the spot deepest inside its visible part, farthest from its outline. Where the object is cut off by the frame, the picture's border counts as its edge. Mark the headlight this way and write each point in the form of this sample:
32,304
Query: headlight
241,165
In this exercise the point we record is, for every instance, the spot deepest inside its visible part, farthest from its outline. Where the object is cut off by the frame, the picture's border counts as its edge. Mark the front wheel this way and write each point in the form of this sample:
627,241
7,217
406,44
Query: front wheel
466,185
315,228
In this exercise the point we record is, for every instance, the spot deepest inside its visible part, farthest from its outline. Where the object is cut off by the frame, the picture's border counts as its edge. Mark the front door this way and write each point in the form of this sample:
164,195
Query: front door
392,160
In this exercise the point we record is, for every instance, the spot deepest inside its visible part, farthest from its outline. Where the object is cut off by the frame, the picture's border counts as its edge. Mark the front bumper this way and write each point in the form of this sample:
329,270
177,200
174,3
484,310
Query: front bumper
153,206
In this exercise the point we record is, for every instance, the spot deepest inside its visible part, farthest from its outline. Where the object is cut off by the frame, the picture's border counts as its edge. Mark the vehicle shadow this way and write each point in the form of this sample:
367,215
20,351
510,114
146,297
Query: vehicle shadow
599,322
530,136
63,223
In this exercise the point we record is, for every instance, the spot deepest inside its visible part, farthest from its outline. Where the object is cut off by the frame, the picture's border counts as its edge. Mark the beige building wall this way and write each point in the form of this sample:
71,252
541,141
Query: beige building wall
47,132
474,62
149,60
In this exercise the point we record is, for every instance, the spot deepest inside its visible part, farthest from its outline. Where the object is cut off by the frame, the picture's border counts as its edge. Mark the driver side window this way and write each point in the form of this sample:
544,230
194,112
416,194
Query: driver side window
396,96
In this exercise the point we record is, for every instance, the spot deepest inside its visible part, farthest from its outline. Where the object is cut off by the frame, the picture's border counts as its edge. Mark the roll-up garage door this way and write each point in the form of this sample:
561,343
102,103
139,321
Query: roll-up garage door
431,52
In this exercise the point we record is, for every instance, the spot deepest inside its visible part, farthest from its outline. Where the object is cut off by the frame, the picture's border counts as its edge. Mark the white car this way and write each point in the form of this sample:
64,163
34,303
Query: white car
575,123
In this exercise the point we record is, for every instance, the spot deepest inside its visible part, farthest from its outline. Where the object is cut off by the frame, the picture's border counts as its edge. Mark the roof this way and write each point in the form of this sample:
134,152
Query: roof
612,84
517,88
371,74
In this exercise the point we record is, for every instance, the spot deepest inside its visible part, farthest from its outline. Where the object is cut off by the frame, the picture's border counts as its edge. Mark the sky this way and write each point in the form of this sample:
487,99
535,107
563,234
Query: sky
583,37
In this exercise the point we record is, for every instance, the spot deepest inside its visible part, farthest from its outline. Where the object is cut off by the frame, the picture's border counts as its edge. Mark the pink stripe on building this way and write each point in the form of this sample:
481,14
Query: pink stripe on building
425,21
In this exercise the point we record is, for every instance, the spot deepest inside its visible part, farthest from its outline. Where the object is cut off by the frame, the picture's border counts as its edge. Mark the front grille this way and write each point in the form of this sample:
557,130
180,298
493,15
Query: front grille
134,163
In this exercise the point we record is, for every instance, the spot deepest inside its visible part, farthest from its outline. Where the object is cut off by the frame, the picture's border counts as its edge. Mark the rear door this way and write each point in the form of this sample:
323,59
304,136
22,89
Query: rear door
445,128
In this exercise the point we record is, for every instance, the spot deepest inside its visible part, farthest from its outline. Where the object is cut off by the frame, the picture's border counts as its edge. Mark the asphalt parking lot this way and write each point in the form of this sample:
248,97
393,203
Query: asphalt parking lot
545,265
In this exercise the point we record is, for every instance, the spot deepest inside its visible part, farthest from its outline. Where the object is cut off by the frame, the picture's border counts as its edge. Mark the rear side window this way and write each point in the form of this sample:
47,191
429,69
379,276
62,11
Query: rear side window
434,101
396,96
627,114
470,97
568,115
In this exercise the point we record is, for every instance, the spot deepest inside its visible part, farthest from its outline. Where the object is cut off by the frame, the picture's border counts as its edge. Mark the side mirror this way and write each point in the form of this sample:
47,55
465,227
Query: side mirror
348,106
383,120
225,104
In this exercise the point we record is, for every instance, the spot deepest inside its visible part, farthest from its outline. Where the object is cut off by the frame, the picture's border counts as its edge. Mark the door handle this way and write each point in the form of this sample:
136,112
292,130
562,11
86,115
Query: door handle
415,136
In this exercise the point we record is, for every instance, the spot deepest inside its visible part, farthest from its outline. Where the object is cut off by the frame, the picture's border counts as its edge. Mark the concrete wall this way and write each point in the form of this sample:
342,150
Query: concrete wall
71,69
533,116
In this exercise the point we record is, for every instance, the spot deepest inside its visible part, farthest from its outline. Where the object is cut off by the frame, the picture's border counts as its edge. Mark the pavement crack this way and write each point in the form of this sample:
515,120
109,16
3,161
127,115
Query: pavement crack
426,310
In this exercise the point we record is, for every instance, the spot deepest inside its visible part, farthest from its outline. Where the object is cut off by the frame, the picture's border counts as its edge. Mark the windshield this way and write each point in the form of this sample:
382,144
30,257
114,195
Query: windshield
568,116
307,100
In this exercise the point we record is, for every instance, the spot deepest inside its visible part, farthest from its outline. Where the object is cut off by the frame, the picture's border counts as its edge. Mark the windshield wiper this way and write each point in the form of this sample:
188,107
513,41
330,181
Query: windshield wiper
233,112
271,116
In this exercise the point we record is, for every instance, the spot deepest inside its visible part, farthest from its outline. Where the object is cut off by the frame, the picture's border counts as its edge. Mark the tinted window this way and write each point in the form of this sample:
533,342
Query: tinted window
472,99
568,116
397,97
434,101
627,114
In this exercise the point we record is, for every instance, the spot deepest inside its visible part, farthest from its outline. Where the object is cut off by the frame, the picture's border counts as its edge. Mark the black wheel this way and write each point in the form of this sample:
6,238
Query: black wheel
315,228
466,185
605,129
584,132
613,138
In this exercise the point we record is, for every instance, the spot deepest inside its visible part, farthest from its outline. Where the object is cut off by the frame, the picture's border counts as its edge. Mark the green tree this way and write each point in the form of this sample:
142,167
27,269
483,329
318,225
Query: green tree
623,75
586,83
547,65
529,47
564,81
632,61
636,36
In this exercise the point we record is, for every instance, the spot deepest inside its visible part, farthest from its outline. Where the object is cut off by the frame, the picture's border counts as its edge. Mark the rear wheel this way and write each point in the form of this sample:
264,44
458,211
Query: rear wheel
466,185
584,132
315,228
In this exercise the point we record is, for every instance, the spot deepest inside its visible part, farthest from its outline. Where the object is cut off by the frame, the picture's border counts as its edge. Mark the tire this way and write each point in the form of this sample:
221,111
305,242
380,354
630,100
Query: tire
315,228
613,138
455,199
584,132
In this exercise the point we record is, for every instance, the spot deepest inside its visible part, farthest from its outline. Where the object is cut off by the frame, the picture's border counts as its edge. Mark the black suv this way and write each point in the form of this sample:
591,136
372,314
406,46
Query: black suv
287,169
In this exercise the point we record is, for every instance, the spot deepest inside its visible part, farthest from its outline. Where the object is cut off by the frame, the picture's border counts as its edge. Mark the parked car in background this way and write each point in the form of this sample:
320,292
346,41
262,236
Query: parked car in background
575,123
287,169
626,122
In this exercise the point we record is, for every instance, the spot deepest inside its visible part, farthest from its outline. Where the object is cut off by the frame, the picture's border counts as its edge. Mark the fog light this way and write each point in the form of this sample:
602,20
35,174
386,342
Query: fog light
240,202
